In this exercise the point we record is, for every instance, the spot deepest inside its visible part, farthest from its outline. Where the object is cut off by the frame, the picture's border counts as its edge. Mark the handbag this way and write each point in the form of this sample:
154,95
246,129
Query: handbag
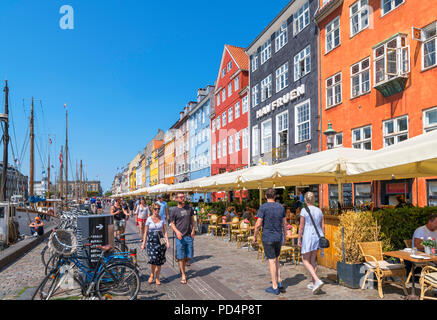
162,240
323,242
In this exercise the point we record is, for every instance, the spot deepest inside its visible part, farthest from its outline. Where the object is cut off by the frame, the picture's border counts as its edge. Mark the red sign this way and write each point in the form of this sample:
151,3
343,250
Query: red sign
397,188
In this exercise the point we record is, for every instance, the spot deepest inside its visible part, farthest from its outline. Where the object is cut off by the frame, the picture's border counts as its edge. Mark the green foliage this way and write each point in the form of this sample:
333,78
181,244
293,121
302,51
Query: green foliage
399,224
91,194
108,194
172,204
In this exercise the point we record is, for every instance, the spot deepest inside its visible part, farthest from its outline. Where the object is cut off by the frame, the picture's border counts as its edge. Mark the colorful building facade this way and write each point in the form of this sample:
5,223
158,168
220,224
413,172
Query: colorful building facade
154,166
182,146
378,61
169,156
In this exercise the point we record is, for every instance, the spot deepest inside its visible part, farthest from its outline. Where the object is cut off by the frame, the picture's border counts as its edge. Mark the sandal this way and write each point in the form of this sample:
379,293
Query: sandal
184,281
158,282
150,279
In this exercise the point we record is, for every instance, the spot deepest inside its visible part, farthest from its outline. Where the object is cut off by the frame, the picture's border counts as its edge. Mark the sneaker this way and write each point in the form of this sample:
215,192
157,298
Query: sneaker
281,288
310,286
35,234
317,286
271,290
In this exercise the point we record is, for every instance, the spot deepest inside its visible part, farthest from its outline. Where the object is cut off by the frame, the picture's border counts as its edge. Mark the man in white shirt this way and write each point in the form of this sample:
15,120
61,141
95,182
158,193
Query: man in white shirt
424,232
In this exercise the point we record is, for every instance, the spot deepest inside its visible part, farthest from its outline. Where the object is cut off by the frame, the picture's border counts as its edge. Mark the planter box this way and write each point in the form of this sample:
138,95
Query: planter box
350,275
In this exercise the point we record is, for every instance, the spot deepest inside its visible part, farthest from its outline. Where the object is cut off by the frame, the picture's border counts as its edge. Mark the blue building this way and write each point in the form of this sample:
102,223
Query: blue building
200,138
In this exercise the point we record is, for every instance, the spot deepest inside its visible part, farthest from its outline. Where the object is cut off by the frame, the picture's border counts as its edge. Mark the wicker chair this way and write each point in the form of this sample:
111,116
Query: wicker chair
260,246
244,232
428,281
213,225
372,253
250,239
409,244
287,253
234,228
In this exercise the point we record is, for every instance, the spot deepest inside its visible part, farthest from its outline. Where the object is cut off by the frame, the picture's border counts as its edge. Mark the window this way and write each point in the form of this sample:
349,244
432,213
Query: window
266,88
219,150
395,130
231,144
203,117
254,62
266,136
223,94
230,89
230,115
333,91
223,72
302,120
255,98
363,193
213,152
282,133
237,141
359,13
224,119
281,37
218,122
302,63
391,59
266,51
218,99
429,35
237,83
430,120
389,5
332,34
362,138
225,147
245,103
237,110
360,78
282,77
338,140
301,18
229,67
432,193
255,141
246,138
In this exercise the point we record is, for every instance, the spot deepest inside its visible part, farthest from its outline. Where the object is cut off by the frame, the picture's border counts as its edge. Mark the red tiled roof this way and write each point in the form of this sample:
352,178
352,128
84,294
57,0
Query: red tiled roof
240,57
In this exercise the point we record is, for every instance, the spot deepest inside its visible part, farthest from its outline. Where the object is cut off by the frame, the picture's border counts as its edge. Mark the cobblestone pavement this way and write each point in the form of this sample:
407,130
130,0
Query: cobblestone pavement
219,271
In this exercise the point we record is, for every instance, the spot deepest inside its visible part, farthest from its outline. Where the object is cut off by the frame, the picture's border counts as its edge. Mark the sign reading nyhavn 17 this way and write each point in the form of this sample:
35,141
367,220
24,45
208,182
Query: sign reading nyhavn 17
286,98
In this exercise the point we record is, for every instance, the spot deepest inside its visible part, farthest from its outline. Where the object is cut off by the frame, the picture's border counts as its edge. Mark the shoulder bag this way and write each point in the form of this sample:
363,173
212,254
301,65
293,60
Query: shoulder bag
323,242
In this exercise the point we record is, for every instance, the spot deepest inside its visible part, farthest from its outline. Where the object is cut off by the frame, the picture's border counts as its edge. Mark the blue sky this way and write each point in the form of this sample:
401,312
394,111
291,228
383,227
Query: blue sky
126,69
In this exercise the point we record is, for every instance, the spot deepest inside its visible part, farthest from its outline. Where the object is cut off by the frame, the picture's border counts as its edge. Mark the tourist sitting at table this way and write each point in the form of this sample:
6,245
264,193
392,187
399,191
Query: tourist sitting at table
424,232
291,217
247,213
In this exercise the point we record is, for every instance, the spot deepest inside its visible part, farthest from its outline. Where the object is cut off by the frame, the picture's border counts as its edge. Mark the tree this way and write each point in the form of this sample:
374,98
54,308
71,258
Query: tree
108,194
91,194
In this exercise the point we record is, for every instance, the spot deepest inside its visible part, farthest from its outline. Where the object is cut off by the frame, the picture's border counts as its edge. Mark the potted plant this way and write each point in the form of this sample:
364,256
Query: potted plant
354,227
428,245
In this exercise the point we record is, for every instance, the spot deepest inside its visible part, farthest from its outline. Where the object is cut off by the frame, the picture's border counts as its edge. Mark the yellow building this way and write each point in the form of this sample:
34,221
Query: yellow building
132,172
154,166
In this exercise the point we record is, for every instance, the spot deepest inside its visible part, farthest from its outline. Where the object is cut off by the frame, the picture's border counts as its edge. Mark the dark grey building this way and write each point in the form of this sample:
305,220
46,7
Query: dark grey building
284,107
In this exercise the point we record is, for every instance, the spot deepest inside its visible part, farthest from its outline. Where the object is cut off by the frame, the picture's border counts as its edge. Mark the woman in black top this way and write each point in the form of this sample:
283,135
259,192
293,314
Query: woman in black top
120,215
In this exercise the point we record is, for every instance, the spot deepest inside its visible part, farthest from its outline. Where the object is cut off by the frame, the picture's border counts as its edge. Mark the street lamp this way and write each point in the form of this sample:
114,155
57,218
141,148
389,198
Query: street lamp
330,135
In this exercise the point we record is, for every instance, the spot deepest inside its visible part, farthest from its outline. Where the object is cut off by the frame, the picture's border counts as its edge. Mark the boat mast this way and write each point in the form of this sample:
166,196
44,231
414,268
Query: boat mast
32,136
80,184
61,174
66,154
5,144
48,178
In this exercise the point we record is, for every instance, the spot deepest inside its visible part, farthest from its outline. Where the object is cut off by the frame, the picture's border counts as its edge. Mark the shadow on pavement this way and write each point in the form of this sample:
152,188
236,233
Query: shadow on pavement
298,278
200,258
201,273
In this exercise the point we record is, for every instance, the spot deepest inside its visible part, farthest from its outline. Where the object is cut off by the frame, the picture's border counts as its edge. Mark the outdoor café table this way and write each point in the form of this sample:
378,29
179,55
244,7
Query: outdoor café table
404,255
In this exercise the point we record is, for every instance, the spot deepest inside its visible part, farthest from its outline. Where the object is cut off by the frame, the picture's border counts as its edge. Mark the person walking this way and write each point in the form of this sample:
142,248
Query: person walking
155,231
120,215
142,213
271,216
183,225
309,240
163,212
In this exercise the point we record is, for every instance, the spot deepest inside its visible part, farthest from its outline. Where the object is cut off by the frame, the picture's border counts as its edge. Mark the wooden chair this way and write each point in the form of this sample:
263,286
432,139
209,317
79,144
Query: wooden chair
243,234
234,228
372,253
408,243
428,281
213,225
295,253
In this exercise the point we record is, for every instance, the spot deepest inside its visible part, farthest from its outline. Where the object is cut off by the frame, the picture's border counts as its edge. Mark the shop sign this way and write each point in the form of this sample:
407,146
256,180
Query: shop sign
286,98
397,188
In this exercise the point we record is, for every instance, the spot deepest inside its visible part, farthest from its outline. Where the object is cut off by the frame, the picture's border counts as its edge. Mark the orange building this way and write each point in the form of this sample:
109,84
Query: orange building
169,156
377,78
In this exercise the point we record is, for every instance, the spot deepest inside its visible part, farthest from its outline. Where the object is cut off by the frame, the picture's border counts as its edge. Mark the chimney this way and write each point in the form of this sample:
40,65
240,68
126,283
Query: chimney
181,115
200,94
185,110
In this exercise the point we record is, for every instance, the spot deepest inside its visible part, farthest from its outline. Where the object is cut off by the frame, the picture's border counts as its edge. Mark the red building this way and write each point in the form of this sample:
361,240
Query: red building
229,120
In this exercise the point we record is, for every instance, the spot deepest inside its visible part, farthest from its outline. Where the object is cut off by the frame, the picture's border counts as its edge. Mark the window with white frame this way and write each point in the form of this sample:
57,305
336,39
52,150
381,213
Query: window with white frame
224,119
237,141
332,34
230,115
218,122
302,121
266,51
333,90
389,5
282,130
266,88
430,119
224,147
245,138
255,96
360,78
281,37
255,141
282,77
395,130
237,83
362,138
237,110
302,63
301,18
245,103
203,117
229,67
231,144
230,89
219,150
359,16
223,94
391,59
254,62
266,136
338,140
223,72
218,99
213,153
429,35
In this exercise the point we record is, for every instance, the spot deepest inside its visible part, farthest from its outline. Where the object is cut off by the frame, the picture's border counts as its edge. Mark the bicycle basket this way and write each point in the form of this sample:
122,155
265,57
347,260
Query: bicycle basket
63,242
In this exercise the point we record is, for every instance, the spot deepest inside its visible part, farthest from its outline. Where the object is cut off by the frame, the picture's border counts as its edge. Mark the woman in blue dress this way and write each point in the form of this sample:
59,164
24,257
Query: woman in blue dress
309,240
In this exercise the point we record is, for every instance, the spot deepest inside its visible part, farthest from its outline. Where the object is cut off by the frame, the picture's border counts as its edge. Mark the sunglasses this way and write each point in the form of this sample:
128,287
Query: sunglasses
155,208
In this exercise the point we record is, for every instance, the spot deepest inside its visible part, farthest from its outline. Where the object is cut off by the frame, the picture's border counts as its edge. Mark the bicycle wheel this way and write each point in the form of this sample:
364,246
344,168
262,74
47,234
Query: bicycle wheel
46,287
53,287
51,264
118,281
45,255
